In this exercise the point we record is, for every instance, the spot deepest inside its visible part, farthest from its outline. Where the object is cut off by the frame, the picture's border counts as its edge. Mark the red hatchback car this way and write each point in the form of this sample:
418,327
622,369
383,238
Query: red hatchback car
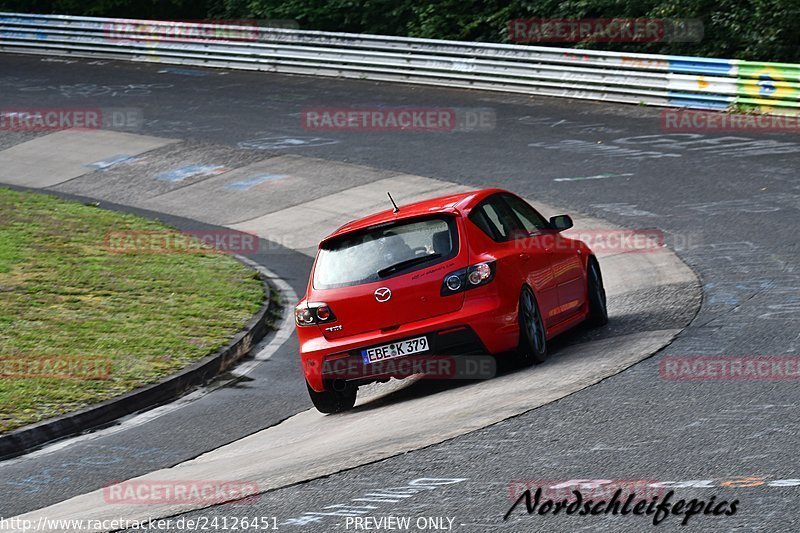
477,272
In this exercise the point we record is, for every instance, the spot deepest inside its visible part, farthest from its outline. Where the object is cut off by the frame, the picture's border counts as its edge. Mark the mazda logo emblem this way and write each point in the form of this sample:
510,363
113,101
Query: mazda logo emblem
383,294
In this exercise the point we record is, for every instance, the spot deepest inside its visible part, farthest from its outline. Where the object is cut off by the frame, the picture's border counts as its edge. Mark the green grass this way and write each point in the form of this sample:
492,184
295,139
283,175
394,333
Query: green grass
63,296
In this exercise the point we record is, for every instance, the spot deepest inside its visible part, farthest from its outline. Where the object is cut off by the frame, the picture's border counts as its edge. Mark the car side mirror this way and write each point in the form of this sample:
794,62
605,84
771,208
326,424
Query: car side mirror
561,222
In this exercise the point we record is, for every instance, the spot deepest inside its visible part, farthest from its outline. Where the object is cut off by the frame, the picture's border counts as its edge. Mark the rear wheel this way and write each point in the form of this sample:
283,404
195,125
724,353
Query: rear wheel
598,312
532,347
333,401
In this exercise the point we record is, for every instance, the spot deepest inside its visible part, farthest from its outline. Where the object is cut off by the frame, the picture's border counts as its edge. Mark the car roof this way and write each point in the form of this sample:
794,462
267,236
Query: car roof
451,204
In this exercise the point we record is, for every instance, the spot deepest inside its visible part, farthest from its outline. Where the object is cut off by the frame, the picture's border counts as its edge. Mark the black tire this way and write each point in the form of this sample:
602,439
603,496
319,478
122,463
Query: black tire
333,401
598,311
532,347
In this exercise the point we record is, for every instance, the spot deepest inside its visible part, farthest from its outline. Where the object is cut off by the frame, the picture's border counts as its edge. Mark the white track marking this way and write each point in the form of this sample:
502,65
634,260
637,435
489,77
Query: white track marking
284,332
597,177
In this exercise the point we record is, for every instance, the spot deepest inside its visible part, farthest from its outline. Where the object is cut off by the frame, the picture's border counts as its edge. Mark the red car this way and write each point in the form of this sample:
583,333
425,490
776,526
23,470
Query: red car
477,272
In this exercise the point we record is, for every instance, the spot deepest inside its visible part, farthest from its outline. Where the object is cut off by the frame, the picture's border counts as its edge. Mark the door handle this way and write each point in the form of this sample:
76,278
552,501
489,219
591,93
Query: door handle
524,257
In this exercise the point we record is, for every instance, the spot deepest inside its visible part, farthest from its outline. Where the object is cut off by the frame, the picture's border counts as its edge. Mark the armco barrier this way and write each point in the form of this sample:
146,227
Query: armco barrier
659,80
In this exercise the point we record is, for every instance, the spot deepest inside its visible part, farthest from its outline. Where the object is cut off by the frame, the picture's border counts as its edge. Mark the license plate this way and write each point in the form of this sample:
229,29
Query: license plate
395,349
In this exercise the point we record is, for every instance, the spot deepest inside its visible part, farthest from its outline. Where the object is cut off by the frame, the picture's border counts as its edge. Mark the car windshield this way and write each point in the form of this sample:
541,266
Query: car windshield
385,251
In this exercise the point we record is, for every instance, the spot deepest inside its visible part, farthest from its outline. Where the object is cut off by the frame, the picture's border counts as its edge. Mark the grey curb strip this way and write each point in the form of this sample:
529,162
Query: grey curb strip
25,439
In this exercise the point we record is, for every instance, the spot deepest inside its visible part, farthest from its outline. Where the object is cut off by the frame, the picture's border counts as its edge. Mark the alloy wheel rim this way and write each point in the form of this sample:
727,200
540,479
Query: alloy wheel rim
598,289
533,328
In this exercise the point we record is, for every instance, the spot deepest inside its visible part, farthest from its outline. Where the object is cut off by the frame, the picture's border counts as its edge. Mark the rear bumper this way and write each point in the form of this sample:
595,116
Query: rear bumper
480,326
350,366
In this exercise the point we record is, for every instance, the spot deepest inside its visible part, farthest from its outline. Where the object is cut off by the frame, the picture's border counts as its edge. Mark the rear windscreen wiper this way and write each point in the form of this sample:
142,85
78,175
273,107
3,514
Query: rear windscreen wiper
382,273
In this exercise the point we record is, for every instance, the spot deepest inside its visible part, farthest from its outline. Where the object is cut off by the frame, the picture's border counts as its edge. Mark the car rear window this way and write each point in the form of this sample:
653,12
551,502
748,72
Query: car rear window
385,251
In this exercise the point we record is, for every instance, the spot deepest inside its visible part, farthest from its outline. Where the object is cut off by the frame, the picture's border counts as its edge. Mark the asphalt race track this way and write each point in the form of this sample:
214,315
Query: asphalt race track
728,205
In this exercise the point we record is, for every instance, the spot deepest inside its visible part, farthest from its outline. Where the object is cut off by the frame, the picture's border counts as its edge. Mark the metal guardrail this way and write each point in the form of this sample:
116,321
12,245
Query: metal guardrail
659,80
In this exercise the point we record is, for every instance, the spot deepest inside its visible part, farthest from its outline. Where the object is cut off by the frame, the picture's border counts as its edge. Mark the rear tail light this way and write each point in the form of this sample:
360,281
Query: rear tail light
468,278
323,312
479,273
453,282
303,316
309,314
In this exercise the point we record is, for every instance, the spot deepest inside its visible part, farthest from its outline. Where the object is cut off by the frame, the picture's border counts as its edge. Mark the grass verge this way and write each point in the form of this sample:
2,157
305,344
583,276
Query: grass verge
80,324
